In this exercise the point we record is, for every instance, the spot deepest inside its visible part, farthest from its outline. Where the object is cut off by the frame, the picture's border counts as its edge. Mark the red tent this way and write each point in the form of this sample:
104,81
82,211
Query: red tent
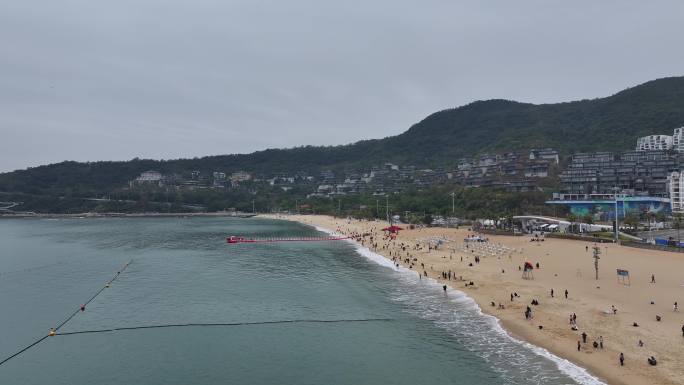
392,229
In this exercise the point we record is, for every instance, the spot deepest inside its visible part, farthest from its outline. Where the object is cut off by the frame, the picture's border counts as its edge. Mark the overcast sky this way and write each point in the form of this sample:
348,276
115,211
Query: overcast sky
113,80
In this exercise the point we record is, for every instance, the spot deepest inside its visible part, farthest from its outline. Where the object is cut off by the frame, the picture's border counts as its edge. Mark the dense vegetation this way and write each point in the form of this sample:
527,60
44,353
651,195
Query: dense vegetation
469,203
611,123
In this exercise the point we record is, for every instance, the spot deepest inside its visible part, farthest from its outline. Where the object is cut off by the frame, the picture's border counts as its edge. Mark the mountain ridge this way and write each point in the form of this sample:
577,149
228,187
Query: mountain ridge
609,123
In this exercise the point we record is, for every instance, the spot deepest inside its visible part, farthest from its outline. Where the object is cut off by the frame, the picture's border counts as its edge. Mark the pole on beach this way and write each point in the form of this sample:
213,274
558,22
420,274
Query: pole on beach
617,238
678,217
597,251
387,209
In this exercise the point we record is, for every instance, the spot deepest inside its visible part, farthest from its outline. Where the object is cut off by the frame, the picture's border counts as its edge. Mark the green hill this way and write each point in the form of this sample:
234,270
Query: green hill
610,123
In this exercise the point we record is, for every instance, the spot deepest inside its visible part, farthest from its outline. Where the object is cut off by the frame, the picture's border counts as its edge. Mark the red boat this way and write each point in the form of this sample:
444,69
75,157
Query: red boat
234,239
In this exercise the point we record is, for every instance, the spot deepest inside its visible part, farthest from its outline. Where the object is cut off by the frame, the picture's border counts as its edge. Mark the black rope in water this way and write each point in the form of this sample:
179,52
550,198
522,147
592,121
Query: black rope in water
118,273
24,349
53,331
225,324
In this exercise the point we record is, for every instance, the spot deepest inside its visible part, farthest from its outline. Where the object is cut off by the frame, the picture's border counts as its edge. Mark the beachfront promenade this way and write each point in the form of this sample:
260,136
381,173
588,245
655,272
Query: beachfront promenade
606,310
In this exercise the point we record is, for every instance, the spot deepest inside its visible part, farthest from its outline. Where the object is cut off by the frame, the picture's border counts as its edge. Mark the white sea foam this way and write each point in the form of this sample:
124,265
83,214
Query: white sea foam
578,374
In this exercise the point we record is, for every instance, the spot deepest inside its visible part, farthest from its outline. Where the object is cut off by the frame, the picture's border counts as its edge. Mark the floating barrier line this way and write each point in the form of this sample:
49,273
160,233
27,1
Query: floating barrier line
236,239
53,331
82,307
224,324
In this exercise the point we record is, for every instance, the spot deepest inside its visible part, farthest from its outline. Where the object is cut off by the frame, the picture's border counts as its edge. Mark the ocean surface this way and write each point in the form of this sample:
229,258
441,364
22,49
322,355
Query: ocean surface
390,327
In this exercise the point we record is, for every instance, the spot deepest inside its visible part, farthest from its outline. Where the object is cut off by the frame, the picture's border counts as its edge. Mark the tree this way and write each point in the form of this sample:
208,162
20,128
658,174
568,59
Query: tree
572,218
678,225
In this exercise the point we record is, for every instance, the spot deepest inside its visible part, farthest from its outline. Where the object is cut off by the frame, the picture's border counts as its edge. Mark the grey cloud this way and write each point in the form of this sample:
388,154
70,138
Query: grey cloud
87,80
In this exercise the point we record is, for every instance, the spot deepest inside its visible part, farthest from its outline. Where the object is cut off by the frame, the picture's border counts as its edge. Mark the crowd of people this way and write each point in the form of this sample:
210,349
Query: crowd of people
408,255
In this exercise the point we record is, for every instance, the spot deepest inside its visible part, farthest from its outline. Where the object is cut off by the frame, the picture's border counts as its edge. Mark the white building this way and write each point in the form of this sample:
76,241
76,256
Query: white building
678,139
676,185
219,179
544,153
239,177
654,142
148,178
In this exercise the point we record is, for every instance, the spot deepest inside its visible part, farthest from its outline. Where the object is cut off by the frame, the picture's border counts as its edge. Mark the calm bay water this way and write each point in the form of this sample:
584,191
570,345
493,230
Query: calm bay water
182,271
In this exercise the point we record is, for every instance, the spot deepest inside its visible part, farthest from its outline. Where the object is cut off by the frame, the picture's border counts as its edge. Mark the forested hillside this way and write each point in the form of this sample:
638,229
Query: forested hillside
610,123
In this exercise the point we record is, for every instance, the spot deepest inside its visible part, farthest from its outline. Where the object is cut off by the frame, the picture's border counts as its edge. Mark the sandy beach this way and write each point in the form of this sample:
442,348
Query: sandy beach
563,265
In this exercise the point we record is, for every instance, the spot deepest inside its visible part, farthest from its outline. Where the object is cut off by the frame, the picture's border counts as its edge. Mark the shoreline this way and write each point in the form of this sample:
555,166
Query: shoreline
557,340
121,215
577,373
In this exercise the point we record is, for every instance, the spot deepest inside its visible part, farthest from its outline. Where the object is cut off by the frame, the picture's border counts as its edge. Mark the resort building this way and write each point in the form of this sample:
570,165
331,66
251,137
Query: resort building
219,180
240,176
645,181
654,142
637,173
544,153
676,184
148,178
537,170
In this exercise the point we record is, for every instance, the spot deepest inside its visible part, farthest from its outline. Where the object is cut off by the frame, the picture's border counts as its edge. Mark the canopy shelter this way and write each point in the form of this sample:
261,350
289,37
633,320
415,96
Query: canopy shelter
393,229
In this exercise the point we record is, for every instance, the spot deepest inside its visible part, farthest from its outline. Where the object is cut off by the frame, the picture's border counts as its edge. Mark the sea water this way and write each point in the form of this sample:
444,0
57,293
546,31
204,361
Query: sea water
183,272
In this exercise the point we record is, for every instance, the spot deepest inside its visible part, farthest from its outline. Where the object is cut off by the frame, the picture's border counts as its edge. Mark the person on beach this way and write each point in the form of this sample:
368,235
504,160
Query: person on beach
622,359
652,278
551,293
566,293
584,337
601,342
579,345
675,307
